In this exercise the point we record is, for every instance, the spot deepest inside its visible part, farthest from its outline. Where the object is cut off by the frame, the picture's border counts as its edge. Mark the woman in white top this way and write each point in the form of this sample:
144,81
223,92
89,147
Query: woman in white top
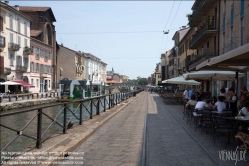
219,105
245,110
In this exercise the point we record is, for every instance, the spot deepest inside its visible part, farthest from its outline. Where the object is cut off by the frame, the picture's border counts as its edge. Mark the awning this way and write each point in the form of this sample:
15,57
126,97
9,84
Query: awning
9,83
181,81
234,60
24,84
216,75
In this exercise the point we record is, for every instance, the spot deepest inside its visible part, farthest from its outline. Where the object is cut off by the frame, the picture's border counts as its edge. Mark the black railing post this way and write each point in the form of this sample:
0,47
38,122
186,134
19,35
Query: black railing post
91,111
109,101
98,106
39,128
16,98
104,103
37,95
116,99
65,119
80,113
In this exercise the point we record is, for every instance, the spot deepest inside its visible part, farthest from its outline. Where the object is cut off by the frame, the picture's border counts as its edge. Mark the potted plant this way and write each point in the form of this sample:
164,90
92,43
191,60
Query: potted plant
189,17
27,50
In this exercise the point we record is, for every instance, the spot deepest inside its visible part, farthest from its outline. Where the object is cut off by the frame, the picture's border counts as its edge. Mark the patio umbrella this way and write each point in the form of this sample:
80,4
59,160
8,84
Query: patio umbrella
214,75
9,83
181,80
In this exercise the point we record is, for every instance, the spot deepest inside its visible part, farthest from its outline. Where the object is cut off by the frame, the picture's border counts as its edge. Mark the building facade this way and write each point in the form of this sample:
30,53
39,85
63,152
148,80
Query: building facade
43,30
17,39
70,64
95,68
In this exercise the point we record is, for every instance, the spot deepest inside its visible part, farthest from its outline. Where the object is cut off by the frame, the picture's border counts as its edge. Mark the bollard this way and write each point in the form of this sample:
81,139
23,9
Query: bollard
16,98
39,128
9,99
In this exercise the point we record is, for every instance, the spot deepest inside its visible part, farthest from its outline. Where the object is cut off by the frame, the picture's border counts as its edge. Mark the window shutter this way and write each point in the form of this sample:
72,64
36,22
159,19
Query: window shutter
1,23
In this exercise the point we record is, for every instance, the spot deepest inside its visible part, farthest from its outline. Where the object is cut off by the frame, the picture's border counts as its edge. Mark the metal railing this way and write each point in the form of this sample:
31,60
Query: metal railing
5,70
196,59
235,43
209,25
89,106
197,9
14,46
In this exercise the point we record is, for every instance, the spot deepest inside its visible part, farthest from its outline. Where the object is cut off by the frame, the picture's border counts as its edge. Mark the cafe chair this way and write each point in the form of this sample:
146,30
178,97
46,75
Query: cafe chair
207,121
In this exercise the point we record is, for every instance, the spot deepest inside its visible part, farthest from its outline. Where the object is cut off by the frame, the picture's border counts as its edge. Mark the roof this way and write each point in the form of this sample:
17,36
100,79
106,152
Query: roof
181,33
159,72
35,33
38,9
112,81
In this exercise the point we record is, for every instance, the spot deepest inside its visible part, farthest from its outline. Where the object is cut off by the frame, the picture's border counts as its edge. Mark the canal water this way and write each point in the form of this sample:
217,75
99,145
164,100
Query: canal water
18,121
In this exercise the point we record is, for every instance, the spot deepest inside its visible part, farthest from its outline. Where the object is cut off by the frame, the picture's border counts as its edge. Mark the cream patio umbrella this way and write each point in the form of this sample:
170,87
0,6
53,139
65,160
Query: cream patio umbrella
181,81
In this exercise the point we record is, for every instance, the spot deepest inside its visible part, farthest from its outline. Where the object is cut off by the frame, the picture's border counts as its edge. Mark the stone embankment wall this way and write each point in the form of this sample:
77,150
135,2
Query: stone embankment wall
26,103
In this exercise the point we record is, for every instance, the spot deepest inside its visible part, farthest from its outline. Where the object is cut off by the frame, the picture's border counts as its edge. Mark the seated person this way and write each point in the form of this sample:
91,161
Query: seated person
245,110
219,105
201,105
192,101
241,102
245,127
213,100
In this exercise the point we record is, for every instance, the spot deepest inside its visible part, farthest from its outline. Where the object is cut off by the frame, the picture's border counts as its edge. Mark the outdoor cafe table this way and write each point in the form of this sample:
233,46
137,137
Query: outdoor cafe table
237,120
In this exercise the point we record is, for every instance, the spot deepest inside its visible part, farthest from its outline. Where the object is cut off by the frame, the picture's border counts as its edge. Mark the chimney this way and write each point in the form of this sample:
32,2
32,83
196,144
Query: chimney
17,7
183,27
7,2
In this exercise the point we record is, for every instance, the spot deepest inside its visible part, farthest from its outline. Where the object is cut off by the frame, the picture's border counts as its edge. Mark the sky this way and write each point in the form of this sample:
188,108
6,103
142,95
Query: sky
127,35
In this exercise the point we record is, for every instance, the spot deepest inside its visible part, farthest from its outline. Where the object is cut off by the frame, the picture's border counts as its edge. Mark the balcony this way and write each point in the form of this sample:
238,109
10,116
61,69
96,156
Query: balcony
203,34
27,51
235,43
193,60
201,10
21,68
14,47
43,75
5,70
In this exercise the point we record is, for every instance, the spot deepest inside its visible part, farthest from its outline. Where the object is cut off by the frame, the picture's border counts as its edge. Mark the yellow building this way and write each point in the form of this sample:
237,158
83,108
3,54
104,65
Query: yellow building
157,78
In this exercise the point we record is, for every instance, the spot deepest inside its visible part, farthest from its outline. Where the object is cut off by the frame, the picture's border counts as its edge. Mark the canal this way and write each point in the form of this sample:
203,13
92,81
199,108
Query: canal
18,121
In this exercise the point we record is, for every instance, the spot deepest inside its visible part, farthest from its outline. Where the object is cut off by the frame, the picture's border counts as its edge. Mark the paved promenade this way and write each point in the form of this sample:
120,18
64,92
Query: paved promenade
169,140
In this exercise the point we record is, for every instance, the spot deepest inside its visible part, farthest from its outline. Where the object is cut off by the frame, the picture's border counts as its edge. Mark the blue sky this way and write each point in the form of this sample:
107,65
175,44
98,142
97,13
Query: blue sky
127,35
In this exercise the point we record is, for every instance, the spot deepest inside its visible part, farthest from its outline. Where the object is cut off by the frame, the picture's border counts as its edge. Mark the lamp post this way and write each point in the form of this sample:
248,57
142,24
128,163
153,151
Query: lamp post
88,89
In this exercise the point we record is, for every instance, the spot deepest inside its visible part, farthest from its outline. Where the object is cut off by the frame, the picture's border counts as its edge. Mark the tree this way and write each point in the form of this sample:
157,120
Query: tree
143,81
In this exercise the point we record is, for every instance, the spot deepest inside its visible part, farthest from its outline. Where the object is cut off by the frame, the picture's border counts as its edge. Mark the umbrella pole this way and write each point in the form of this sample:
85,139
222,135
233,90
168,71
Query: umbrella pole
211,84
237,82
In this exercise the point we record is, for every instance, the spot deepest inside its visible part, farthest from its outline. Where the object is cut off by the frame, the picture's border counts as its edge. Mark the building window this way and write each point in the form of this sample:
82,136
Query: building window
232,14
242,8
41,68
37,67
32,48
11,37
18,26
26,61
31,66
37,83
37,53
2,41
11,22
19,41
1,23
25,42
32,81
11,59
18,60
241,31
25,28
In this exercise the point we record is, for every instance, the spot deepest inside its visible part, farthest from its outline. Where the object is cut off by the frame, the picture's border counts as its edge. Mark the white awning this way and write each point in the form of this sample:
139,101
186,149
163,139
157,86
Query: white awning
181,81
216,75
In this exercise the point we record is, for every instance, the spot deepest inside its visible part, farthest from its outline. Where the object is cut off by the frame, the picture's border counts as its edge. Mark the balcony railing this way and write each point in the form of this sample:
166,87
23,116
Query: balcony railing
197,9
5,70
14,47
235,43
194,60
21,68
210,25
